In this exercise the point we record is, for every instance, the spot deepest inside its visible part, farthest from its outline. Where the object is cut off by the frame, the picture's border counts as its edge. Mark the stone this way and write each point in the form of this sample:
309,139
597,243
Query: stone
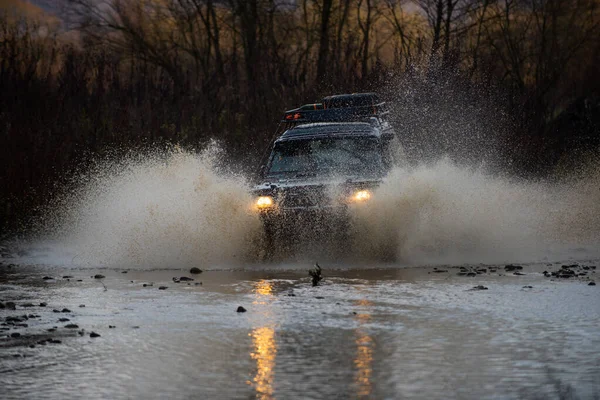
592,283
479,287
163,287
528,287
195,271
43,304
10,305
47,278
99,276
94,335
67,277
63,320
437,271
518,273
185,279
27,305
15,335
512,267
241,309
124,272
55,341
81,305
72,326
471,274
65,310
112,326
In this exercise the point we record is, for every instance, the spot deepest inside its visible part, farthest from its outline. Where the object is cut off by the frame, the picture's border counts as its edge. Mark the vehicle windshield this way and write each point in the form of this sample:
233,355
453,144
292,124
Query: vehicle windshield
328,156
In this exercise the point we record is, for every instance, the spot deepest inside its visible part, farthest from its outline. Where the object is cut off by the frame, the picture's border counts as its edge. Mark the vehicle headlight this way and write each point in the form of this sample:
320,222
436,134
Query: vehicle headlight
264,202
360,196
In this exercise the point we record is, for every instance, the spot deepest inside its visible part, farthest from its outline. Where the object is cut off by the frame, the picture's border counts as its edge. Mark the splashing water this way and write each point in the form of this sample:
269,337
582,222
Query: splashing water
171,210
444,213
177,210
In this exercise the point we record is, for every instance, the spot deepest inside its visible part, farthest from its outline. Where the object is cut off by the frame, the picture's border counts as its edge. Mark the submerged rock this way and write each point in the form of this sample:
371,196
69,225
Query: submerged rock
512,267
479,287
195,270
241,309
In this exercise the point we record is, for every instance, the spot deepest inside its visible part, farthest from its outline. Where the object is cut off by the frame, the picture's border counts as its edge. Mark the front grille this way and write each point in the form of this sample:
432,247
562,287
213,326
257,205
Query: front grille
313,197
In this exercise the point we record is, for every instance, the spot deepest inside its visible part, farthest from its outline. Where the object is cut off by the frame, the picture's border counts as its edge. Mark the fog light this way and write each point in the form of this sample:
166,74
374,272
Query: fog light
361,196
264,202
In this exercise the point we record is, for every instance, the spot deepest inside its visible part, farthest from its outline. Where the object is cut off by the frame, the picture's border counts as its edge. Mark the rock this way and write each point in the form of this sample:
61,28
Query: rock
440,270
99,276
81,332
54,341
185,279
43,304
124,272
72,326
518,273
241,309
27,305
94,335
112,326
195,271
528,287
198,283
592,283
32,346
67,277
585,267
291,295
55,310
10,305
2,305
163,287
15,335
319,297
66,310
148,284
63,320
471,274
479,287
81,305
51,329
79,280
512,267
47,278
482,270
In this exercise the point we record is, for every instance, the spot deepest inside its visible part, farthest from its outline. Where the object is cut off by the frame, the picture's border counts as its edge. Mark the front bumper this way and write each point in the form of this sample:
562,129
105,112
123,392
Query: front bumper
307,222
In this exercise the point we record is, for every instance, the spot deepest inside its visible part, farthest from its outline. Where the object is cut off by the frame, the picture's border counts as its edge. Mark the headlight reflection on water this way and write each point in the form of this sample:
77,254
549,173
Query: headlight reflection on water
264,347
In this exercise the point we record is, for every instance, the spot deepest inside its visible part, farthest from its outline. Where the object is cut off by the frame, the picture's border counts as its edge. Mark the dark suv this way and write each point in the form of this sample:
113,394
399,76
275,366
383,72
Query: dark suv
330,157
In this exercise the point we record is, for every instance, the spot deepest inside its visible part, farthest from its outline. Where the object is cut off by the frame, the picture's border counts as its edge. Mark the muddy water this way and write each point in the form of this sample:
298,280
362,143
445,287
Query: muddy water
364,333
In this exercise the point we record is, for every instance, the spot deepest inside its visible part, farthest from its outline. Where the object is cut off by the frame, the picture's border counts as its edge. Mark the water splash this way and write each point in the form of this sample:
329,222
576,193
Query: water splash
445,213
167,210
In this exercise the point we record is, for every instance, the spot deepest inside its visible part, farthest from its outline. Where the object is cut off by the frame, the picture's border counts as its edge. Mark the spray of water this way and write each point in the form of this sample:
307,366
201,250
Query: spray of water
445,213
167,210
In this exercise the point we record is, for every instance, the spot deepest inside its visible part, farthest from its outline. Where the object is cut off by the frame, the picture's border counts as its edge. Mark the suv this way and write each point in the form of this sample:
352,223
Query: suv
330,157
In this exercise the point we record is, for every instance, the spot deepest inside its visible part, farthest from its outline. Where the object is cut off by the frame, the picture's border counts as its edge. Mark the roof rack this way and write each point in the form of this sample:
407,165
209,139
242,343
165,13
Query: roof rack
318,113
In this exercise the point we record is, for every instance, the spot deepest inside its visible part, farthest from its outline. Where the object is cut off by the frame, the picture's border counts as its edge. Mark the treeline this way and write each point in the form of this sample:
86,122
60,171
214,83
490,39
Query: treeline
126,74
